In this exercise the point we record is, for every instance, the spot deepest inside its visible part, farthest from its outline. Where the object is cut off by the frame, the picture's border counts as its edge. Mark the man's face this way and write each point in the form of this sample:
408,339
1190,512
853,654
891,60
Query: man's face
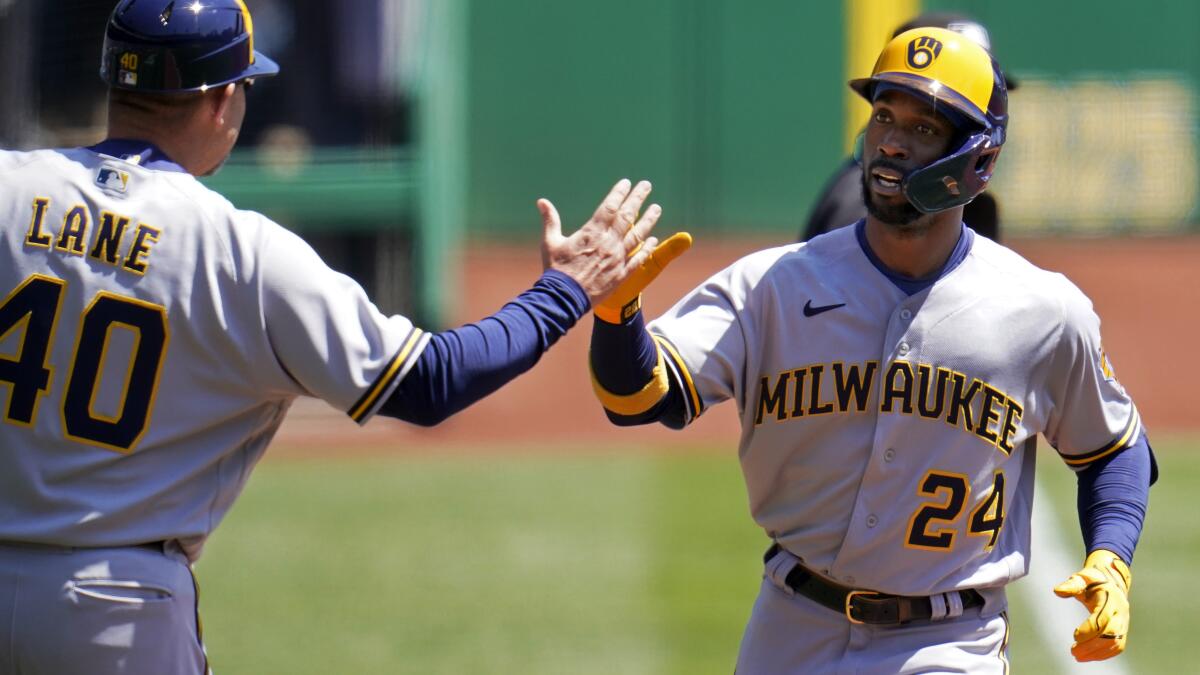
903,135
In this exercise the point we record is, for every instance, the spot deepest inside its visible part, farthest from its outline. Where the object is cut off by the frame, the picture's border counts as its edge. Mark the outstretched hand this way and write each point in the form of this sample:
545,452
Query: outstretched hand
627,299
1103,587
605,251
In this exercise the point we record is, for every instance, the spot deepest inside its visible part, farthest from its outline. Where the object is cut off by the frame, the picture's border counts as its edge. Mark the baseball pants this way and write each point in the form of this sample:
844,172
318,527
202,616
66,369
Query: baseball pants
103,611
791,634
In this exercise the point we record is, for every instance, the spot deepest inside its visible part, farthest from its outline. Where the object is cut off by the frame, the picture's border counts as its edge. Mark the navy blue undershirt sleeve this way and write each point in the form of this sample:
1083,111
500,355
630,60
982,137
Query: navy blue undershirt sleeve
623,357
463,365
1113,493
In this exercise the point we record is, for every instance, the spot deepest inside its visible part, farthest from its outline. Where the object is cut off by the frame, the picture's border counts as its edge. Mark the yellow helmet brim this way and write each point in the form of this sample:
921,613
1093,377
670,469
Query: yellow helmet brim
938,92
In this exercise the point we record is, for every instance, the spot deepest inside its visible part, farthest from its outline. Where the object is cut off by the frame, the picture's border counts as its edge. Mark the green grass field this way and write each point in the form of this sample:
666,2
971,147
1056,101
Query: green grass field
584,563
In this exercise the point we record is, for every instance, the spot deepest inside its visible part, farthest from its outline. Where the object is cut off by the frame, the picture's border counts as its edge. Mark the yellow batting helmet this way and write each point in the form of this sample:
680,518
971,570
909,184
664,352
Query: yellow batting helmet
951,70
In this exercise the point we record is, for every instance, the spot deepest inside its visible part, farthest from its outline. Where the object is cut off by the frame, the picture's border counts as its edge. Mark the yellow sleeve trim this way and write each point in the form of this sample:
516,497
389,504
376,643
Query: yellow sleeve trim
688,384
639,402
369,399
1118,444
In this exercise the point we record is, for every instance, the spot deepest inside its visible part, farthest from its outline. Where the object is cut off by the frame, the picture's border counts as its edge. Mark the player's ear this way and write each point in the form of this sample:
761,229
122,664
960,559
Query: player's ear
221,100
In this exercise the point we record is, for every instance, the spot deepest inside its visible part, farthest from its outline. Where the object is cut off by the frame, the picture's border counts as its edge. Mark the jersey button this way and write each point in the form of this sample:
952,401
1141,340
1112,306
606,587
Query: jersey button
905,314
889,455
872,521
903,348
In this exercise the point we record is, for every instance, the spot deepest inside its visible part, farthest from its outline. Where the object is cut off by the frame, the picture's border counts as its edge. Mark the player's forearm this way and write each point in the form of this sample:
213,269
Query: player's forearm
463,365
630,377
1112,499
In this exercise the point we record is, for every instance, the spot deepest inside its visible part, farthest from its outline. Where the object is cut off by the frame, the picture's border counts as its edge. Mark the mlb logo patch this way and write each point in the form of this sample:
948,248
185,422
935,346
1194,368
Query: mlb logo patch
114,179
128,78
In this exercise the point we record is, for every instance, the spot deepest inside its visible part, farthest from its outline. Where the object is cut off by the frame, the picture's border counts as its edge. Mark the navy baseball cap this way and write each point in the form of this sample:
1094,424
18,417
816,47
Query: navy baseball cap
179,46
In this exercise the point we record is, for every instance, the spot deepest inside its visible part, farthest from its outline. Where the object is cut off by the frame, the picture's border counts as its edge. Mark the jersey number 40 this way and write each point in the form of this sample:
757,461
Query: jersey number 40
35,305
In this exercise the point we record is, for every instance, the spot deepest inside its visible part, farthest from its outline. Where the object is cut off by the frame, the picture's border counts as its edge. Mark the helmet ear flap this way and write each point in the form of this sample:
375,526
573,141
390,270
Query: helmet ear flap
955,179
986,163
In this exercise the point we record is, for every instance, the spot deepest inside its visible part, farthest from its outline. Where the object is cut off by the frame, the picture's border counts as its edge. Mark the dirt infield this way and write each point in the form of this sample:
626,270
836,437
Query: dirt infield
1147,291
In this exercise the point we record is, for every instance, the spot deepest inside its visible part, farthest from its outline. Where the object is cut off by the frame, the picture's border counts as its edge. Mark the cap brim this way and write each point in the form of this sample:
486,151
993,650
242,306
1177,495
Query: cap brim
263,66
862,85
866,86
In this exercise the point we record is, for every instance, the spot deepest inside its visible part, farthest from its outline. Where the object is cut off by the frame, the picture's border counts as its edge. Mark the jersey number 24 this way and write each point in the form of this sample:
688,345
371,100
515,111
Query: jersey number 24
932,526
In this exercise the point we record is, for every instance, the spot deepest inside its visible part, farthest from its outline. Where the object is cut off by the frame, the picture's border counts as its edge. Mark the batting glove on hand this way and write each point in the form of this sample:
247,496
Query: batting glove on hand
1103,587
627,299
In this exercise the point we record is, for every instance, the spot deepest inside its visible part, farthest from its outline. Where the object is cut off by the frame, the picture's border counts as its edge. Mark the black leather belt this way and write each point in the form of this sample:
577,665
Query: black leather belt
860,606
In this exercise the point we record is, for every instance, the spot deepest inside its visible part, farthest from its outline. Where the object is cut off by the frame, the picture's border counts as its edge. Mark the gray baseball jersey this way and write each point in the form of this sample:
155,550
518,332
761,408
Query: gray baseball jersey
884,435
151,339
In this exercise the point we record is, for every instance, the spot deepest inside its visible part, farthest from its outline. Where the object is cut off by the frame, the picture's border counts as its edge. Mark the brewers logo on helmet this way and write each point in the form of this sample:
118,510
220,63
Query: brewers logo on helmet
922,52
952,71
169,46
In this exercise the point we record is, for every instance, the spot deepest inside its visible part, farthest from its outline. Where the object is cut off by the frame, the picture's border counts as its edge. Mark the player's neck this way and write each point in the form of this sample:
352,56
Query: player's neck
180,139
169,147
917,250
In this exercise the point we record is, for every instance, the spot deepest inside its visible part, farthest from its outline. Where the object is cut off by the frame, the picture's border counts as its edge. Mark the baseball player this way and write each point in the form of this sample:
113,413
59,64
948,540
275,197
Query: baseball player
152,338
891,378
841,201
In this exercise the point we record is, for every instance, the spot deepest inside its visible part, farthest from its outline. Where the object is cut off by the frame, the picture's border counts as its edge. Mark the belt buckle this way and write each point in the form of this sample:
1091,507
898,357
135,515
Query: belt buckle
850,603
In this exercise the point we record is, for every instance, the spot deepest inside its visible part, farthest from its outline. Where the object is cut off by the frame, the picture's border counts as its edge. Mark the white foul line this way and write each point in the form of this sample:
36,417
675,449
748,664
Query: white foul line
1055,617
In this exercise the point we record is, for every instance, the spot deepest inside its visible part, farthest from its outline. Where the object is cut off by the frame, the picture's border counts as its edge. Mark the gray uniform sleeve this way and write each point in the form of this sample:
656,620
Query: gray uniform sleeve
325,333
704,337
1092,416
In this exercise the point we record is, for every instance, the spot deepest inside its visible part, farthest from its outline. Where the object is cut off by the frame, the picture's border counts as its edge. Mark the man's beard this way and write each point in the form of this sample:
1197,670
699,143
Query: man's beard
902,216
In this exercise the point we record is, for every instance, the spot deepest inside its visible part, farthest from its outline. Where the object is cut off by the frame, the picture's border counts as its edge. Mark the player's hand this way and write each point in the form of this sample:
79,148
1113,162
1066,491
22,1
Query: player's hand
1103,587
609,246
627,299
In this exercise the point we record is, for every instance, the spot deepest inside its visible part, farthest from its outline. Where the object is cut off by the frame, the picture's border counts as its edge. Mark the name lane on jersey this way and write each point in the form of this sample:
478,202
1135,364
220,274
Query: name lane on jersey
907,388
107,239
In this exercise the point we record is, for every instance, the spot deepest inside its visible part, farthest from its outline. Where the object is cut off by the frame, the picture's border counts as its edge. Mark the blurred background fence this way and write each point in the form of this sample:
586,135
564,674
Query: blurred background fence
398,128
407,141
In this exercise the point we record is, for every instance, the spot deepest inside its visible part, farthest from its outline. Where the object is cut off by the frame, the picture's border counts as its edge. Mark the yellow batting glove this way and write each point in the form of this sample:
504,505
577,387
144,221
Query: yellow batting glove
1103,587
627,299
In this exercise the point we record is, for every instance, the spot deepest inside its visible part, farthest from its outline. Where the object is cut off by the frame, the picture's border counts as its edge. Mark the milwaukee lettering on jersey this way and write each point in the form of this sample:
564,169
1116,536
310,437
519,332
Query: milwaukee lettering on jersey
921,389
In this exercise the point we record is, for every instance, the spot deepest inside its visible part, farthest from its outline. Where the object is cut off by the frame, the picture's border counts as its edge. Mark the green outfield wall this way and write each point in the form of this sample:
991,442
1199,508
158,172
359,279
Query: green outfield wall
738,111
719,103
1103,133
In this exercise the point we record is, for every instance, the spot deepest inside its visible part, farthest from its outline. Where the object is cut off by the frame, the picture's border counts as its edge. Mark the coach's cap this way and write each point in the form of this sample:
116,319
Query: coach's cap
178,46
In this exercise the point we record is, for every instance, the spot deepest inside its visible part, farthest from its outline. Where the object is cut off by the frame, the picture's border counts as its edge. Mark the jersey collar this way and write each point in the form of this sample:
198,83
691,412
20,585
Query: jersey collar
142,153
966,239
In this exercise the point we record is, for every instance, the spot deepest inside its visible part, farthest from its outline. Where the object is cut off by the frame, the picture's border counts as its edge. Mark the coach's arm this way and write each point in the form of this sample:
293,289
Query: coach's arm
461,366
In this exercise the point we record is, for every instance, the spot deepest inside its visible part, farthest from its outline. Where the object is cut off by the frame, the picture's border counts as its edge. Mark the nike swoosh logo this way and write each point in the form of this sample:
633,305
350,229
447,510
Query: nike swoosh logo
809,310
